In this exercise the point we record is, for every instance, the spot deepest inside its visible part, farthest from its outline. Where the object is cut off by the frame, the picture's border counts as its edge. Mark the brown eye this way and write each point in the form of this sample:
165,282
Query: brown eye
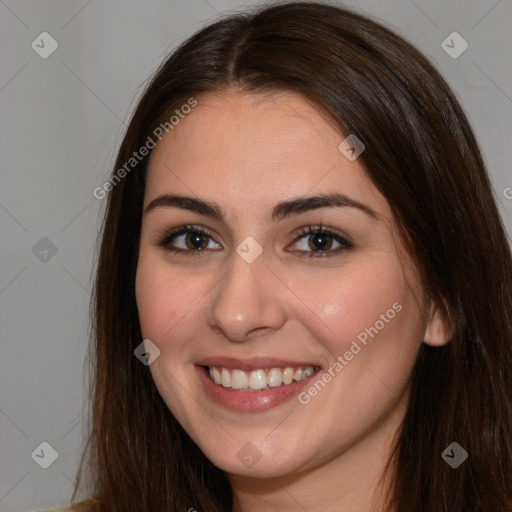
320,241
188,239
196,240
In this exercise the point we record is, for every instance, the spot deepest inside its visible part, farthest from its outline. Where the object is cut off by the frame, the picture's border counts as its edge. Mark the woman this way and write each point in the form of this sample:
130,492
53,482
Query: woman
304,289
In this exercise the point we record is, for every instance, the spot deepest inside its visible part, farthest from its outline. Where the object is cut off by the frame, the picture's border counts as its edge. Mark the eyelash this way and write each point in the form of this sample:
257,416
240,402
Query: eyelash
167,238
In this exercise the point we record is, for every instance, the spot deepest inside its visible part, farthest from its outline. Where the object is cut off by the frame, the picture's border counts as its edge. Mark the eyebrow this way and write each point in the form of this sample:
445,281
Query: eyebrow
281,210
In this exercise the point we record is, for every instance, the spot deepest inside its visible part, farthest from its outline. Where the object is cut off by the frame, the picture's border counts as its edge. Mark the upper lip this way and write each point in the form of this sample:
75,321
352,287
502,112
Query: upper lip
253,363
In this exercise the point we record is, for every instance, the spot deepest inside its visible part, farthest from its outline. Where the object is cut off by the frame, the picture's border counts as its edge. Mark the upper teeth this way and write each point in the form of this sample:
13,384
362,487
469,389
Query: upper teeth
258,379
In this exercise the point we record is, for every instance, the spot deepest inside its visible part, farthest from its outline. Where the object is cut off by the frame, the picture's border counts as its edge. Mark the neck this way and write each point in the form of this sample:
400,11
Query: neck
355,479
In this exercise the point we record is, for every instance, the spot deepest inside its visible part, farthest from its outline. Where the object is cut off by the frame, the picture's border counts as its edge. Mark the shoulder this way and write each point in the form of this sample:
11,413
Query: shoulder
83,506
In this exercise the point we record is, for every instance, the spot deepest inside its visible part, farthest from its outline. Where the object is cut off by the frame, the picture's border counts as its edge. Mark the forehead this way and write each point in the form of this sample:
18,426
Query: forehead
266,146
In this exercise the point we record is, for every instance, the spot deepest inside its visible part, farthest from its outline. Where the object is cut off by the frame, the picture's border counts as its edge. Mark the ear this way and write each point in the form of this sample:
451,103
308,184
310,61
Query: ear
438,330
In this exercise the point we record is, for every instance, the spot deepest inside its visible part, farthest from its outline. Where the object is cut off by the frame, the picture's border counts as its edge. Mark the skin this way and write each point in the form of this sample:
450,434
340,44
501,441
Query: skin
248,152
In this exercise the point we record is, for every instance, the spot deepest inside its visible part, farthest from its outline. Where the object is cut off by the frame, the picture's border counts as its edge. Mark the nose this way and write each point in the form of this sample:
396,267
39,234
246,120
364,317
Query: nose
248,299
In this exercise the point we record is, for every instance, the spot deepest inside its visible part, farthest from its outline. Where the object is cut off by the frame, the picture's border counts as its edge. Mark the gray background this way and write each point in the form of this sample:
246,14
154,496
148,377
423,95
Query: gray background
62,120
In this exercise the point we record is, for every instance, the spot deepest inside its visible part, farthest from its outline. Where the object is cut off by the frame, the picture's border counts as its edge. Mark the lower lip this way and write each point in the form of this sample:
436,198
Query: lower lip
251,401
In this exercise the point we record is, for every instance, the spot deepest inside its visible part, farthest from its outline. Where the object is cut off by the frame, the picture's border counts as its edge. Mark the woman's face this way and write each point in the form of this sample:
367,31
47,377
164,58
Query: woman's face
256,285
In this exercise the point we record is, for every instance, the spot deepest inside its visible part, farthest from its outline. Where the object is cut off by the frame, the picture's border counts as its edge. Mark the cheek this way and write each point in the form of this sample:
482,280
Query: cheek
367,315
163,300
370,323
165,303
355,299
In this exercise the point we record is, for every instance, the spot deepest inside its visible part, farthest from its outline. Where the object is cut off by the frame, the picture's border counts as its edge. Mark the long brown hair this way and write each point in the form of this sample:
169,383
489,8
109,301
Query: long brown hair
422,156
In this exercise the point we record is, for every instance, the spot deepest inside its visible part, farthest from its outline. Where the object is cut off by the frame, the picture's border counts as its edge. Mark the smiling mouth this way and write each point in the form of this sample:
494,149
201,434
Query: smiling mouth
258,380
